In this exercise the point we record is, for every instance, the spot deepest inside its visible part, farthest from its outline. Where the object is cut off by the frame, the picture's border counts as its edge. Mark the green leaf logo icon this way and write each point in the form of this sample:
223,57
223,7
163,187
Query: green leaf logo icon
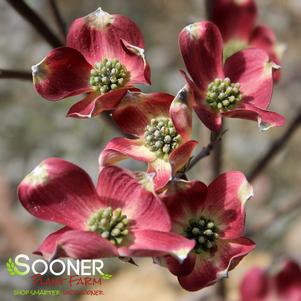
106,276
12,269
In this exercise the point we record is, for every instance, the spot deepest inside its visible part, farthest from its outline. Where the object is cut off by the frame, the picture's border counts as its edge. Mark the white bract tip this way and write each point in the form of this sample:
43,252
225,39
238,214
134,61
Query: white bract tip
275,66
38,175
34,69
182,254
100,12
264,126
245,192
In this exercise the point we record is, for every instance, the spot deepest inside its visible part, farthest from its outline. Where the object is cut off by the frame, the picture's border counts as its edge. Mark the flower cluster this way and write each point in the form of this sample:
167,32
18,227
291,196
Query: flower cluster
193,229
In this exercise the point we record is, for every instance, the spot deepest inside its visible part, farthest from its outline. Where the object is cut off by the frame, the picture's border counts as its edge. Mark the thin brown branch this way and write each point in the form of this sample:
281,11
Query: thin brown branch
217,165
58,17
217,155
221,289
275,148
15,74
206,150
283,210
209,8
36,21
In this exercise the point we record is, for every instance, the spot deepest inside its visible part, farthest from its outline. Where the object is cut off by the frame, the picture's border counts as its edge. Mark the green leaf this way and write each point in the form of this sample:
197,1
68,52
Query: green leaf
10,267
106,276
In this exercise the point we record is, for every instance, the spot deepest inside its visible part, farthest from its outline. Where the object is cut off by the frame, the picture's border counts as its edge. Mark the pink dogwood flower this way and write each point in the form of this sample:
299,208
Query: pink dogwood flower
161,127
237,22
117,218
213,217
104,58
239,88
284,285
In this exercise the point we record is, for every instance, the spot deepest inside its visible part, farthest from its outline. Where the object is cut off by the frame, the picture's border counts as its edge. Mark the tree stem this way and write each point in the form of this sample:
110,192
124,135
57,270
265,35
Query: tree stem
206,150
58,17
217,165
275,148
209,8
15,74
283,210
36,21
217,161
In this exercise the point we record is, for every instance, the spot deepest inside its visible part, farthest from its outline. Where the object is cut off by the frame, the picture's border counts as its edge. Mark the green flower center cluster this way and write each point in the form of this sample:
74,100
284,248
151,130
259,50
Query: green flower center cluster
108,75
222,95
204,232
110,224
161,137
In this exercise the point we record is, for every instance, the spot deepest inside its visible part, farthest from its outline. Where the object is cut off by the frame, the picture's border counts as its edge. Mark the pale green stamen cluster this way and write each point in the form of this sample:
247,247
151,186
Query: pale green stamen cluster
110,224
108,75
222,95
161,136
204,232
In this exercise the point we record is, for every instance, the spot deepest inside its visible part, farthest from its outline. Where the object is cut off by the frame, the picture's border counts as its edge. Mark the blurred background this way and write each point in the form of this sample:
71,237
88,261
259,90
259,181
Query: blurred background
33,129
